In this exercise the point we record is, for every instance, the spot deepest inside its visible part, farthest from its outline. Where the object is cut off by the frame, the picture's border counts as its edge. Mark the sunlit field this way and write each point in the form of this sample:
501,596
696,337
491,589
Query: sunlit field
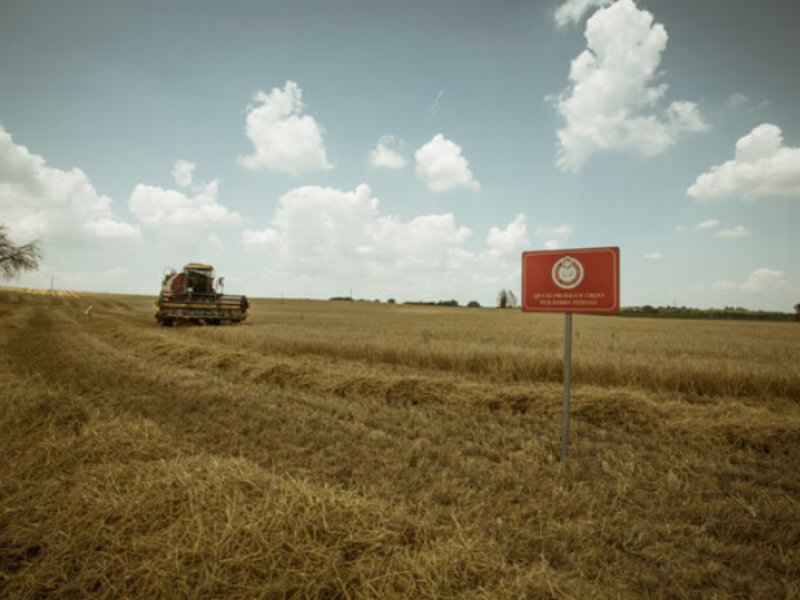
349,449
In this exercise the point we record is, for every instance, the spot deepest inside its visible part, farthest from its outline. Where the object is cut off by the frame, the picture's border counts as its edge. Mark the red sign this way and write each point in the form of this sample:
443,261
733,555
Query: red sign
580,280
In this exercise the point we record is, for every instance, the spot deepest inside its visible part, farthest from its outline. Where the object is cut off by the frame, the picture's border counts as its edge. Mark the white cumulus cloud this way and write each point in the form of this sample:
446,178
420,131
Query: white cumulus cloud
762,279
513,239
385,155
314,222
572,11
322,239
318,220
183,172
267,238
105,227
762,167
284,139
614,101
442,167
158,207
39,200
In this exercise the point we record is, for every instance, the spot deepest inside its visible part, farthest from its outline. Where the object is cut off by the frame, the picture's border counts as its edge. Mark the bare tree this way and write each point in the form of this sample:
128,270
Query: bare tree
15,259
797,312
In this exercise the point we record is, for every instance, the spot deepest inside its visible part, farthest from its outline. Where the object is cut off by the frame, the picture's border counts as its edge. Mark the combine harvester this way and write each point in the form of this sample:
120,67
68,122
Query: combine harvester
194,296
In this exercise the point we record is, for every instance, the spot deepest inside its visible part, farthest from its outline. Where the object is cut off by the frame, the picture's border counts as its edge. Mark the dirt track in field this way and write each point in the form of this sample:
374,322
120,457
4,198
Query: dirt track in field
354,449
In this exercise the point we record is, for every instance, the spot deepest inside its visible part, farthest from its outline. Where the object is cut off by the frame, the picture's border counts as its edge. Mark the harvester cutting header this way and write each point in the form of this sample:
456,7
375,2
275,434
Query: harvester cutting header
194,296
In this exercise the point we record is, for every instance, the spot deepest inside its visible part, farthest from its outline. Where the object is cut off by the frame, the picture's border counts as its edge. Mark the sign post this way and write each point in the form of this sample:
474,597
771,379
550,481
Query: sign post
578,280
567,377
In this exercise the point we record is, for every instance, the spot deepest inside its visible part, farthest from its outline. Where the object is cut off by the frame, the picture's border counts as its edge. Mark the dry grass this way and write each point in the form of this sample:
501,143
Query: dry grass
340,450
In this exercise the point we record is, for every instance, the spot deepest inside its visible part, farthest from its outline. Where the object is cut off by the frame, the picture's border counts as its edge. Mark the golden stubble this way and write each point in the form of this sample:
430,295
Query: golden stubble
348,449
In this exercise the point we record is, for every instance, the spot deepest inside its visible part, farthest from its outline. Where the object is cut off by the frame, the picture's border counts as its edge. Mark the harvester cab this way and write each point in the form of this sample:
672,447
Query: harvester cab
191,296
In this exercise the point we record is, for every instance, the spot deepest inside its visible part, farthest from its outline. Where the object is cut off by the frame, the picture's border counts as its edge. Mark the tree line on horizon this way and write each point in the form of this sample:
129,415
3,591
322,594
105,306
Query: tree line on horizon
728,312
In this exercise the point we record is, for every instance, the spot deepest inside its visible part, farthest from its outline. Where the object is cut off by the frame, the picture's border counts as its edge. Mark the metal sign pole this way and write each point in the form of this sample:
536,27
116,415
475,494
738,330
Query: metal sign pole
567,377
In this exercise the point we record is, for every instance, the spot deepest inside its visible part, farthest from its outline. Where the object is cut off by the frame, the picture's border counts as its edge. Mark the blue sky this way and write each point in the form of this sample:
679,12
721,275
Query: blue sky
405,149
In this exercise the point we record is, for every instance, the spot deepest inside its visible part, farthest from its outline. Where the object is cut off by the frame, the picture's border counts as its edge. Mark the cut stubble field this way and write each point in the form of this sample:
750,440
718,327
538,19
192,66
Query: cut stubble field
349,449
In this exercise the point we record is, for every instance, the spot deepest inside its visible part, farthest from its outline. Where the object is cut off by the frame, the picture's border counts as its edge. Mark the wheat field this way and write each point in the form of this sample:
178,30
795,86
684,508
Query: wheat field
364,450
